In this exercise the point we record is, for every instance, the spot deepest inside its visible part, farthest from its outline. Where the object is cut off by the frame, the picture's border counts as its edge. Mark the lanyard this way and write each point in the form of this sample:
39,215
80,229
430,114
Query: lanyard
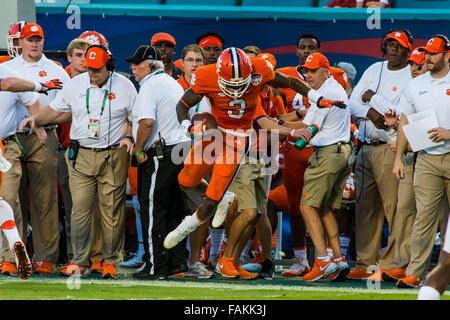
103,103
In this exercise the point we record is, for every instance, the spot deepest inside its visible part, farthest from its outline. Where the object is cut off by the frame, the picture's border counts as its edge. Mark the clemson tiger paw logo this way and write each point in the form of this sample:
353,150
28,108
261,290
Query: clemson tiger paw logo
111,96
42,74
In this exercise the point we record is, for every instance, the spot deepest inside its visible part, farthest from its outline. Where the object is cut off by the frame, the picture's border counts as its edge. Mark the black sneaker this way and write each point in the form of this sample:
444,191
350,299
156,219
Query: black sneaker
267,270
144,274
178,269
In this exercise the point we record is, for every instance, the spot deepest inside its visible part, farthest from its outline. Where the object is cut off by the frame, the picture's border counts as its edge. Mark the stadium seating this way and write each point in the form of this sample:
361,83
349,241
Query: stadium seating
430,4
279,3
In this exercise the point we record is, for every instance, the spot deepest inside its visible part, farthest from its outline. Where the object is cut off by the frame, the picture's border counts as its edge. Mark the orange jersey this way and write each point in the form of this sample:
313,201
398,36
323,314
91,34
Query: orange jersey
272,103
182,81
294,100
4,58
233,113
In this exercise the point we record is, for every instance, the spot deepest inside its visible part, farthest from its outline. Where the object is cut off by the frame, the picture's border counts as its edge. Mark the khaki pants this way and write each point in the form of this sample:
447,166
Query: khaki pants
431,181
376,199
94,176
39,168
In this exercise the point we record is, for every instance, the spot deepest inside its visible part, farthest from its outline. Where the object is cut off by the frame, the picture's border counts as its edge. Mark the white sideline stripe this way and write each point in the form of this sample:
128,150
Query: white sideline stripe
232,286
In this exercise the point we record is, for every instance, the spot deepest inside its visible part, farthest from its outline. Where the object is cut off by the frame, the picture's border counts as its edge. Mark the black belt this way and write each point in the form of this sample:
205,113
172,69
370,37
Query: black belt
100,149
374,143
8,139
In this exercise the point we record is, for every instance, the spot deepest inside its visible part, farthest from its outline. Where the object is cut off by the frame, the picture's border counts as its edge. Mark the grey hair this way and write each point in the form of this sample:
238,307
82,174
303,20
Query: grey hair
158,63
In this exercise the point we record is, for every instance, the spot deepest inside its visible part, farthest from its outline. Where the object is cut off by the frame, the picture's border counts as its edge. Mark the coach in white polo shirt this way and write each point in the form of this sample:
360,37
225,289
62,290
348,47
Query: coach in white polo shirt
100,102
327,168
39,164
157,132
428,92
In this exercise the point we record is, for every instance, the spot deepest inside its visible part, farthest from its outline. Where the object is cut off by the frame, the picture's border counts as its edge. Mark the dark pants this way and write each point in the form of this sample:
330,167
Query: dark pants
162,210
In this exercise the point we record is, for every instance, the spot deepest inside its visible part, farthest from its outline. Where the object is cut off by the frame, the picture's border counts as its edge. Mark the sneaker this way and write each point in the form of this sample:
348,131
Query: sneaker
198,271
22,261
408,281
226,268
252,267
393,275
71,269
222,209
267,270
44,267
109,271
8,268
134,262
320,269
177,235
358,274
143,273
97,267
341,273
244,274
298,269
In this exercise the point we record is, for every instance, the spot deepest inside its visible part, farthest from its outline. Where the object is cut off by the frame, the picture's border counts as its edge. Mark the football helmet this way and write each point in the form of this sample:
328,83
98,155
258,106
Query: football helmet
94,37
14,36
235,72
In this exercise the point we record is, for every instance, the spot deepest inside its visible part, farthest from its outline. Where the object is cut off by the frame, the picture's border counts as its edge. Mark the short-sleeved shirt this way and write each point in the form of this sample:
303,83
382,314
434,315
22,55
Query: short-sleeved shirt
202,106
427,93
158,96
120,94
9,102
233,113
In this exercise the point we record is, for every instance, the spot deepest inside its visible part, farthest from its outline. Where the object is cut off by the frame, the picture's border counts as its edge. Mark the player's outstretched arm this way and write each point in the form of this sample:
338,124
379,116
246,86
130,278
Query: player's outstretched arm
187,101
13,84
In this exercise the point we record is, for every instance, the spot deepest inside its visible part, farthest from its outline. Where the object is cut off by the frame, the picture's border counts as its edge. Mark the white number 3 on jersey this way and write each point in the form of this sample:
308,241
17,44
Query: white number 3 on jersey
238,109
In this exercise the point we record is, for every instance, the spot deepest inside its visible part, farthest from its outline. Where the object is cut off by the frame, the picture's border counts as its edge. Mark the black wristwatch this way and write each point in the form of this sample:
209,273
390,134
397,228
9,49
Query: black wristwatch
131,139
298,114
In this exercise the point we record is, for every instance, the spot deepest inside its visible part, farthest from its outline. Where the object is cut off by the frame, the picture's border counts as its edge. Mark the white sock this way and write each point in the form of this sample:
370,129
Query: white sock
330,252
324,259
216,240
428,293
344,240
300,253
7,215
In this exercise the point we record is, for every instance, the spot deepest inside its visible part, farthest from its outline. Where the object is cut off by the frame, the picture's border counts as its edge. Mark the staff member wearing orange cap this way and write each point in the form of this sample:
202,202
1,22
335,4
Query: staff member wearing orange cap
430,91
327,171
212,43
378,91
100,103
166,46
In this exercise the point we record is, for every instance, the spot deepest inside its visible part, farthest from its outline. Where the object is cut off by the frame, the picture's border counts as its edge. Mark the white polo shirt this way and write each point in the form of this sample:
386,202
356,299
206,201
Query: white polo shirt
157,99
333,123
427,93
40,71
120,94
9,102
390,83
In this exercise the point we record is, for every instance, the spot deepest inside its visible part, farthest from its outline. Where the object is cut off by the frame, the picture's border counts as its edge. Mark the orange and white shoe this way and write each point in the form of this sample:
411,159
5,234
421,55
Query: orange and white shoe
222,209
342,271
408,281
226,268
358,274
109,271
22,261
8,268
320,269
244,274
72,269
298,269
44,267
97,267
393,275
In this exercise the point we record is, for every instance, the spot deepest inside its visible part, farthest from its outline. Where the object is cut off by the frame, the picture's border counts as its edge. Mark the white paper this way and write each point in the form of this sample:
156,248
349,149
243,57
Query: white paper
417,130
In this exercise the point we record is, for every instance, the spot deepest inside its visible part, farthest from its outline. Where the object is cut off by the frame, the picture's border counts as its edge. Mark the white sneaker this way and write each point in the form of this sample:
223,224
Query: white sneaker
222,209
341,273
177,235
198,271
136,261
299,268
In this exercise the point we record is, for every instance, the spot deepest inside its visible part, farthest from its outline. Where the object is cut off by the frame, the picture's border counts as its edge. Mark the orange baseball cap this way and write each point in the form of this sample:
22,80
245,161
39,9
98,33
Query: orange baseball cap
269,57
30,30
401,38
417,56
435,45
96,58
316,60
163,37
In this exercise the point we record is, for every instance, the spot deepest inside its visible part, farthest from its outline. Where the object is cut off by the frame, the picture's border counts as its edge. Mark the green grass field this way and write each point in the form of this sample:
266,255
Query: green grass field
125,288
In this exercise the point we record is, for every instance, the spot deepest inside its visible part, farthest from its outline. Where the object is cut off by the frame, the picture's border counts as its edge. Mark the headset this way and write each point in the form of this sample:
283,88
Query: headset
383,41
111,63
445,39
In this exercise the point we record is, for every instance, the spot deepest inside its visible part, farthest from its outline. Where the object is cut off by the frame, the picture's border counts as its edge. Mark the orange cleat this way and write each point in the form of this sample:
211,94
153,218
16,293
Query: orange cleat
226,268
44,267
97,267
320,269
109,271
358,274
8,268
22,261
244,274
394,275
408,281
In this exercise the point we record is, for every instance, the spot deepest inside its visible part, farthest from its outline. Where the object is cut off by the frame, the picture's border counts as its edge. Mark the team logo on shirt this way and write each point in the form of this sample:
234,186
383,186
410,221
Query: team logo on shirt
111,96
448,92
394,89
256,79
42,74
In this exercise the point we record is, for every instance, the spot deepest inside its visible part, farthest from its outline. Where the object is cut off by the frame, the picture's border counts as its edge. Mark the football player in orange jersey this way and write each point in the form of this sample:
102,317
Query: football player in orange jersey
233,86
